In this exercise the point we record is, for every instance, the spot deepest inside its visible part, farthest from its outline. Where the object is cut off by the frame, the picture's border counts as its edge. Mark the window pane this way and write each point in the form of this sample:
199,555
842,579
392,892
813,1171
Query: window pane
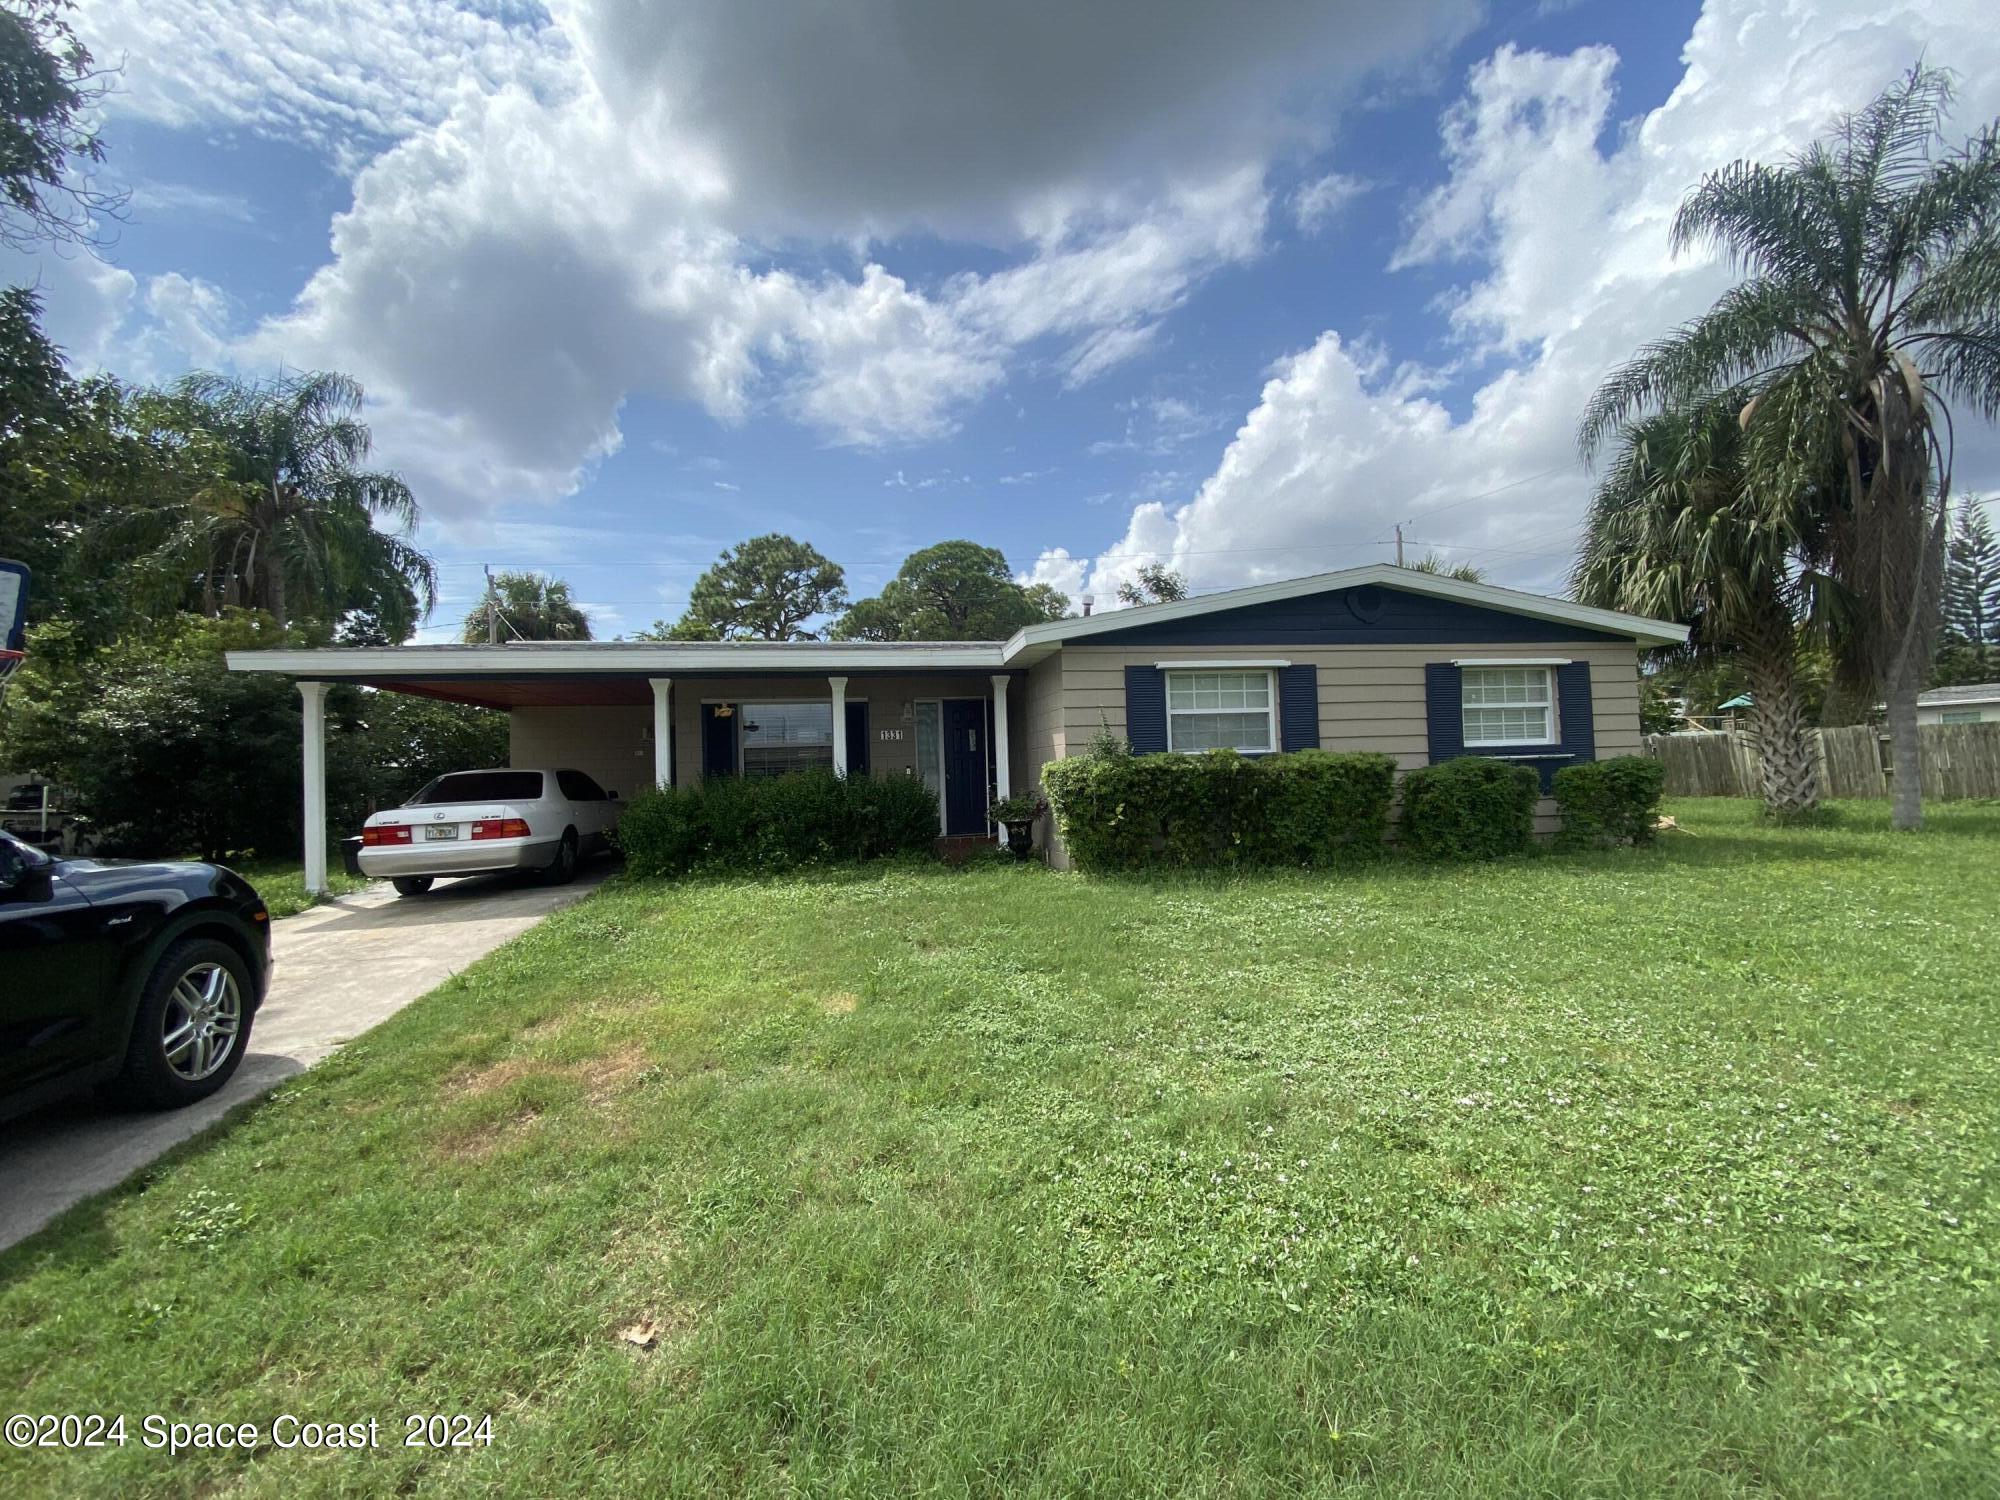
1220,731
1219,711
481,786
1506,725
781,737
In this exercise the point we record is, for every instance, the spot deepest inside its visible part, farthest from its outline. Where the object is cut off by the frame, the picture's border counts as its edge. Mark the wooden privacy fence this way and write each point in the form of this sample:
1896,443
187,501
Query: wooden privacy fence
1959,761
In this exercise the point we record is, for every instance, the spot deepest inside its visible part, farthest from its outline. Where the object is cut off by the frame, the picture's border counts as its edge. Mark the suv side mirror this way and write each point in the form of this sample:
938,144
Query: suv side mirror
19,865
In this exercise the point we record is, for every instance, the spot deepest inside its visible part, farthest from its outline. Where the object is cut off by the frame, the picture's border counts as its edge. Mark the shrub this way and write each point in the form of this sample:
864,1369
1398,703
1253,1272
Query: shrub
1470,808
780,823
1612,801
1134,812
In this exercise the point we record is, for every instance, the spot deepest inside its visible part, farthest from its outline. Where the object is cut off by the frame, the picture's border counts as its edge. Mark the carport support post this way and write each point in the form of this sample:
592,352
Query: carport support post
313,734
1002,781
663,731
839,687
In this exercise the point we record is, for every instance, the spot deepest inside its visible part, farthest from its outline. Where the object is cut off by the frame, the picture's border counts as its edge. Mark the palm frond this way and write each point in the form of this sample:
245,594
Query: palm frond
1753,329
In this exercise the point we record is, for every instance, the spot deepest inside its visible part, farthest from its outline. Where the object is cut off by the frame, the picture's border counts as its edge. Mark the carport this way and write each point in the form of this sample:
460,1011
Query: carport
643,713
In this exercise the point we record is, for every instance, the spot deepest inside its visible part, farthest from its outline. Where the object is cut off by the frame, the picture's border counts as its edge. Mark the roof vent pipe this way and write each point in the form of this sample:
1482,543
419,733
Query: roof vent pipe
1087,601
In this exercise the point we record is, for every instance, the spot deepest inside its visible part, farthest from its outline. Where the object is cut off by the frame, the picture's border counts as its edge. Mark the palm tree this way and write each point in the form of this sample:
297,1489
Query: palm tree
529,607
1434,562
1674,533
286,522
1872,300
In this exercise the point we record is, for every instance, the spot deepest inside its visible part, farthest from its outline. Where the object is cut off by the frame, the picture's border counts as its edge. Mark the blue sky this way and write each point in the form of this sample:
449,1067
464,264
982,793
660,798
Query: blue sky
1093,285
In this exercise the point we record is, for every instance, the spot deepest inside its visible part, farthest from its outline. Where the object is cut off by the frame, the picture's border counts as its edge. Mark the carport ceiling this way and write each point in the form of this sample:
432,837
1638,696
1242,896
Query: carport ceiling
520,692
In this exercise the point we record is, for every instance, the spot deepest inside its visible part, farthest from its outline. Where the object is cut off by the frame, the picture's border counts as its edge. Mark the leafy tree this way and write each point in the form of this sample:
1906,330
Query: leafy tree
1432,563
764,589
1672,532
1971,650
953,591
88,485
1872,297
1045,602
286,521
392,743
1156,584
49,89
532,607
171,754
166,750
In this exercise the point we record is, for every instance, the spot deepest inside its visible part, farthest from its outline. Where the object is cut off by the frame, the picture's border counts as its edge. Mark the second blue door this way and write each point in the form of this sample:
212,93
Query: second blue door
965,765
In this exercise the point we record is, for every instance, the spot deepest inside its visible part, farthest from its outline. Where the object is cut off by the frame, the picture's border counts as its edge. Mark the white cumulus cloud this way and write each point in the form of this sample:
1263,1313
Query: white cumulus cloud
1554,218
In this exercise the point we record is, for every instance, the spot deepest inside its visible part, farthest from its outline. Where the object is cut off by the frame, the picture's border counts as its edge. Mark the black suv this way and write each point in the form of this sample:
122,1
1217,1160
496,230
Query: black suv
144,976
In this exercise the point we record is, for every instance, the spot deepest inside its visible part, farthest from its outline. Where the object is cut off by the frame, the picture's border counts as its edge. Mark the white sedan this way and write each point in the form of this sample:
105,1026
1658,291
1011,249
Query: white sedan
482,822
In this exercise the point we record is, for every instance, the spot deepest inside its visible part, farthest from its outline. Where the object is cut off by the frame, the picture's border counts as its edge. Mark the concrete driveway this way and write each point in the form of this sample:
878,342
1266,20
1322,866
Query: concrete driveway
342,967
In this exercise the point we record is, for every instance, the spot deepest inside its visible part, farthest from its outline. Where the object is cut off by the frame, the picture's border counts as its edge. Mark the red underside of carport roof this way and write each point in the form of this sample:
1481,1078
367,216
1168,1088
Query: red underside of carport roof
517,692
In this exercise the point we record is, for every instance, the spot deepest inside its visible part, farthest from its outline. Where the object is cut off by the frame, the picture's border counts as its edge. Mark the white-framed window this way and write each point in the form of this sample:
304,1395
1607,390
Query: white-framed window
781,737
1959,716
1224,710
1508,705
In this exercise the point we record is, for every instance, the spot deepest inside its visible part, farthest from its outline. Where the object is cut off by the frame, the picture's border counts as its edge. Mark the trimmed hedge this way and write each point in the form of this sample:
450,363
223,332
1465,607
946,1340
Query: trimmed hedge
1472,807
1137,812
776,823
1612,801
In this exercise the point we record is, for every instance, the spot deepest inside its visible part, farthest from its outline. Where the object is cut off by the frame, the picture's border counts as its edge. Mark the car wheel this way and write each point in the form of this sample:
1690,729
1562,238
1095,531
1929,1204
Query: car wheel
413,885
192,1025
562,869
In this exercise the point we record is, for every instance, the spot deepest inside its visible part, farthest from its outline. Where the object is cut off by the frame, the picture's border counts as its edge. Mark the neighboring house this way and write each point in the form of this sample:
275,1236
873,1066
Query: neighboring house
1381,658
1977,704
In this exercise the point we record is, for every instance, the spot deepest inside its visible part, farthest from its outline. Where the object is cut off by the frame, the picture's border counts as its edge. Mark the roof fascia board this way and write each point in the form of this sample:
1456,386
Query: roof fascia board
527,661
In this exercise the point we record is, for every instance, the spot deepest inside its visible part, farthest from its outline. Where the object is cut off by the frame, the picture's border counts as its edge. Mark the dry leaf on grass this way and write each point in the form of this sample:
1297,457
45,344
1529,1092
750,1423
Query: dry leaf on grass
643,1334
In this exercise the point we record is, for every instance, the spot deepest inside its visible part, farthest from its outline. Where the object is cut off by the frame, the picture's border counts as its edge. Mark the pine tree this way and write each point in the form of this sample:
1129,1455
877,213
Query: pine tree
1970,651
1972,578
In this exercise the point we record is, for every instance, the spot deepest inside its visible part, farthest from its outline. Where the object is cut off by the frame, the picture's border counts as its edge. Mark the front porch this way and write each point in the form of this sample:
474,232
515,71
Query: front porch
628,730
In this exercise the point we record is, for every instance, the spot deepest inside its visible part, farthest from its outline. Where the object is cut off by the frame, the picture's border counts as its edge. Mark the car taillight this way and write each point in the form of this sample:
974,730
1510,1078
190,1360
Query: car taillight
395,833
501,828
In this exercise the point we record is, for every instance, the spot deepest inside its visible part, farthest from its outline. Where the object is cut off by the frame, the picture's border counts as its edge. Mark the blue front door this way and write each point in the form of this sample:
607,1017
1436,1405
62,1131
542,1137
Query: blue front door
965,765
718,742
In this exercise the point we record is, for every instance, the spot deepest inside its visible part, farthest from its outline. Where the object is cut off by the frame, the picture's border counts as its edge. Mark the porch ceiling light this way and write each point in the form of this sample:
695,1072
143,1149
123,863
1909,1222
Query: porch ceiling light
725,710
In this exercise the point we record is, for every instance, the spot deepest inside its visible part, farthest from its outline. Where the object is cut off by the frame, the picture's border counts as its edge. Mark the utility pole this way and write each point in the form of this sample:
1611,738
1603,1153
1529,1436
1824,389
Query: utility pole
492,610
1399,544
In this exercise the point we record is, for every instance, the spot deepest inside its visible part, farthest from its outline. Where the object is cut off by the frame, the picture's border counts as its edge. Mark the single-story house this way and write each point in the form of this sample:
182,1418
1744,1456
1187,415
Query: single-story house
1374,658
1978,703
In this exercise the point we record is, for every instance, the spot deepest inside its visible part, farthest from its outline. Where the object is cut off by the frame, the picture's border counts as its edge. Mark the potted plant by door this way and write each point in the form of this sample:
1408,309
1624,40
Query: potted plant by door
1017,815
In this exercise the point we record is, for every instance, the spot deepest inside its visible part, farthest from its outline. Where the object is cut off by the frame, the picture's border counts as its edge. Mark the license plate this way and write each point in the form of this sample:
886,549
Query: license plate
441,831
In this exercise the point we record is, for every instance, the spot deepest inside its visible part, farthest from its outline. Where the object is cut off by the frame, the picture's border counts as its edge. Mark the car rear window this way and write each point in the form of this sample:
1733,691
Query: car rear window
482,786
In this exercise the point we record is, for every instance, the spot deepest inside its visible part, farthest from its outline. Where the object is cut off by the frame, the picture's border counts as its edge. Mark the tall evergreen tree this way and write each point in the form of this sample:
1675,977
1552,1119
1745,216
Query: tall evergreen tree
1971,648
765,589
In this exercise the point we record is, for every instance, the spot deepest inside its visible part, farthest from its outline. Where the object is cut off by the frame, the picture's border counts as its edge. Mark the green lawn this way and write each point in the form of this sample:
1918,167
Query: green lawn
282,883
1641,1172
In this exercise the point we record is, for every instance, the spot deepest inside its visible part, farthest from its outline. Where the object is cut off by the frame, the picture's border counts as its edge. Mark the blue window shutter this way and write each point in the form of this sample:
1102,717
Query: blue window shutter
1145,710
1444,710
1579,727
1298,708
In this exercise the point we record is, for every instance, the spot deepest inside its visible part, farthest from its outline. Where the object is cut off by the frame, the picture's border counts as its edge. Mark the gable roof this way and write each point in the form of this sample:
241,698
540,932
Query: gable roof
1038,640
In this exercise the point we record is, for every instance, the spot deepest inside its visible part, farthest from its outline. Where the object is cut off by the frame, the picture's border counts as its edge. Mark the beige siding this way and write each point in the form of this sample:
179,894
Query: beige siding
1370,697
613,745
